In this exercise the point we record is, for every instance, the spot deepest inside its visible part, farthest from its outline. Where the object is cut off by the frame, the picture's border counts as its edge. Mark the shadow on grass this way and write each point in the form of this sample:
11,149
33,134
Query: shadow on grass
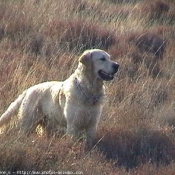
130,149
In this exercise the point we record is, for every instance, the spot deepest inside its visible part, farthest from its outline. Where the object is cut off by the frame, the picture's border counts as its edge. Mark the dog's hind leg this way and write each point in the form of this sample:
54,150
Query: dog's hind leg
30,113
29,121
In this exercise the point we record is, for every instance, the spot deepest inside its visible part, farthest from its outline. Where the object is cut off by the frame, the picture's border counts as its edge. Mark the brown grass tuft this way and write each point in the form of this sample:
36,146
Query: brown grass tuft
81,34
149,42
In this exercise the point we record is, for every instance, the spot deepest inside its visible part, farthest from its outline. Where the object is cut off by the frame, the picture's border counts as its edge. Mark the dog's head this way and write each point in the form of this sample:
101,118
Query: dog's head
99,62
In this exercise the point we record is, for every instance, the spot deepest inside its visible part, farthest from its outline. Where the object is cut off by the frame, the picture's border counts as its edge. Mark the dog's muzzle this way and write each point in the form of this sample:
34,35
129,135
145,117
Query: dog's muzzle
108,76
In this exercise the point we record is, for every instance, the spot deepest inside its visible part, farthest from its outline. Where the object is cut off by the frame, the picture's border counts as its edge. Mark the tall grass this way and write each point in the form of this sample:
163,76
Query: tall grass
42,40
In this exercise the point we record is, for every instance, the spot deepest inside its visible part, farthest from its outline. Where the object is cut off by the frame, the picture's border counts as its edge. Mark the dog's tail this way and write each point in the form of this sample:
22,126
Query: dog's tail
12,110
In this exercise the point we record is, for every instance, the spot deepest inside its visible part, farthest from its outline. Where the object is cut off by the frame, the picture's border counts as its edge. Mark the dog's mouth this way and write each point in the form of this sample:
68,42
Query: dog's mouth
105,76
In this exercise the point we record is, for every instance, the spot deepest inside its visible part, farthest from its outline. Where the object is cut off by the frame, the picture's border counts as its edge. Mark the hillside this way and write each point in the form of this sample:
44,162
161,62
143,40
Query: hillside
41,40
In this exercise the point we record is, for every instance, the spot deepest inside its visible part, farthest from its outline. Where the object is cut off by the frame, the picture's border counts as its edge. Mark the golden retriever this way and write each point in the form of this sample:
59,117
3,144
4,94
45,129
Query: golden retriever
75,103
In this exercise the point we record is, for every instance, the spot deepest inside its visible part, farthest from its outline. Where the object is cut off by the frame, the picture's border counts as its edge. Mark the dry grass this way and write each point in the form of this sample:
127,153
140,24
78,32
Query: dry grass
40,40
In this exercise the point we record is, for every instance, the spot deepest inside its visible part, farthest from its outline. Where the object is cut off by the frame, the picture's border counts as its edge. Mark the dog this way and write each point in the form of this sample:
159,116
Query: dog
75,103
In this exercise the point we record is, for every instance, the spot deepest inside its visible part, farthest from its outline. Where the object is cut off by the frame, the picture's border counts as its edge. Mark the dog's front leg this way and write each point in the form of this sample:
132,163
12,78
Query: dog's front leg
70,116
90,134
92,127
72,130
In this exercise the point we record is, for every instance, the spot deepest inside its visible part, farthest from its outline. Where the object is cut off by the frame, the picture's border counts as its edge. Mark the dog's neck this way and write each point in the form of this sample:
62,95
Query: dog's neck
91,99
88,85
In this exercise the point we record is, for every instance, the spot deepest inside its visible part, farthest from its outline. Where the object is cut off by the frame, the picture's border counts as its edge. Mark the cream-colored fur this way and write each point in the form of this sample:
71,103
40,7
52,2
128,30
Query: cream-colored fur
75,103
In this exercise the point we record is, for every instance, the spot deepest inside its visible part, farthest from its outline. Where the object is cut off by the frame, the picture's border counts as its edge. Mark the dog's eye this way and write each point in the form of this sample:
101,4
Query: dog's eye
103,59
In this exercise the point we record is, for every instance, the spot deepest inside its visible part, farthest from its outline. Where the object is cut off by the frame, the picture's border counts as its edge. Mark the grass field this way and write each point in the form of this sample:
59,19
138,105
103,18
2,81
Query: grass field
41,40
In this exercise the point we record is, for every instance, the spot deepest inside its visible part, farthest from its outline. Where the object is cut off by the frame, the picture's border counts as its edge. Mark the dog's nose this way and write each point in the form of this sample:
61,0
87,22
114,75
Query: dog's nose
115,66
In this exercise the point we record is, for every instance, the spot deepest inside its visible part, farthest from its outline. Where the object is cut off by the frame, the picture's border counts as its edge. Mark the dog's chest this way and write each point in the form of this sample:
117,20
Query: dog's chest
91,100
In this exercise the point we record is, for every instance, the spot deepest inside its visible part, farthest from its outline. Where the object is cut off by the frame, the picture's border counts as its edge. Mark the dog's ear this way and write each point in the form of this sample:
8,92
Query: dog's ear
86,58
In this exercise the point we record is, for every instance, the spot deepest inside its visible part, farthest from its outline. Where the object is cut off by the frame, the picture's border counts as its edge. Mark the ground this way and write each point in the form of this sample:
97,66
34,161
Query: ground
41,41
